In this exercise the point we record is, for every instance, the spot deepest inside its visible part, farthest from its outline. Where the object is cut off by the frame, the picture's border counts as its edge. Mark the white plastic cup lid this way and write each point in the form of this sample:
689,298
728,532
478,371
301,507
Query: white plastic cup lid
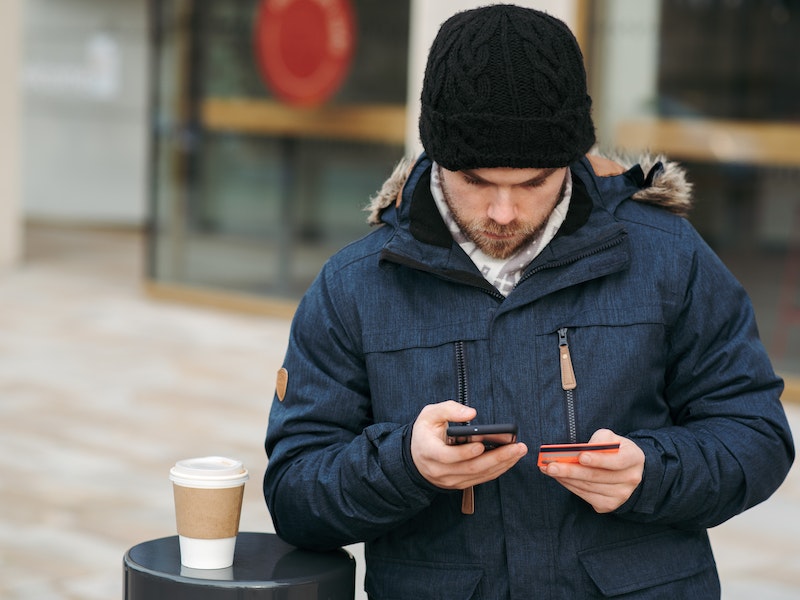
208,471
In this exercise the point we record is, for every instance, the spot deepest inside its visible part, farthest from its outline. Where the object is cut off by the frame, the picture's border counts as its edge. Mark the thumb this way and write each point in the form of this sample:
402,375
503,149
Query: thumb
604,436
443,412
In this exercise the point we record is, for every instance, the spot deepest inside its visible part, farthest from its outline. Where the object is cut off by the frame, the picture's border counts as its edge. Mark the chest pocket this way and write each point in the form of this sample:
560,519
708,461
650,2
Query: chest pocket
412,366
604,369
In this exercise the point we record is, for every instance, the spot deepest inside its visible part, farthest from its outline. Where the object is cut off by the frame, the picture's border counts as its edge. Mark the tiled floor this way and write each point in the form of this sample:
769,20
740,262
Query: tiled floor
102,389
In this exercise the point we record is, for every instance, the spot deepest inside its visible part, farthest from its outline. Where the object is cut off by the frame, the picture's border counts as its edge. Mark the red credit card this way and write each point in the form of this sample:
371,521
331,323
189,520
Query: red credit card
568,453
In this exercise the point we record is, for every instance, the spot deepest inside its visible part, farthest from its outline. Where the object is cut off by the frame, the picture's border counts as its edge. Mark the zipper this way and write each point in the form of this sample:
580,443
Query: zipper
481,283
568,383
573,259
461,369
477,281
462,395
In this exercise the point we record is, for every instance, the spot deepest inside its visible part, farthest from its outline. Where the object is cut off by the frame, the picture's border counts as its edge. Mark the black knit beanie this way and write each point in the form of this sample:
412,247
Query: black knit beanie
505,86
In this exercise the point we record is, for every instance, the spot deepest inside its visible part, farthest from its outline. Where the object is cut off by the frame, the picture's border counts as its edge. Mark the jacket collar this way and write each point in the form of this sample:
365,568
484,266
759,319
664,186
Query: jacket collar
420,239
665,184
426,225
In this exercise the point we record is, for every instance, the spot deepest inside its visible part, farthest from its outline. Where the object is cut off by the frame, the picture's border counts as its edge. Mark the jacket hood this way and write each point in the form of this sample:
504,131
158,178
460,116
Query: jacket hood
665,186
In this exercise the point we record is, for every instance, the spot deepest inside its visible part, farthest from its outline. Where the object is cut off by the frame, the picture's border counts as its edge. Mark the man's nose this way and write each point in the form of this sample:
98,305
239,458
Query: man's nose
502,209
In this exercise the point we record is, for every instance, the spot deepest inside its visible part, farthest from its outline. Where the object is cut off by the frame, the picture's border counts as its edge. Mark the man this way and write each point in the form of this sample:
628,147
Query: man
513,280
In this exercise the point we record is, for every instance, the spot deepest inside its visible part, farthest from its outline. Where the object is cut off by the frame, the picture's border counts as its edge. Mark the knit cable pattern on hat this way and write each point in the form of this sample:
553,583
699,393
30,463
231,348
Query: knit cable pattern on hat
505,86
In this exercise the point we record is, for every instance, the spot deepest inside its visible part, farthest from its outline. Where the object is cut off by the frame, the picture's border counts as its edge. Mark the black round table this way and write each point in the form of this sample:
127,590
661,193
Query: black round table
264,567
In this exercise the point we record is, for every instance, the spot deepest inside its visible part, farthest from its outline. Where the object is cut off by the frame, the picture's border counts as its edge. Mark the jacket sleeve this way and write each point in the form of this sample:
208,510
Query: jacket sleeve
333,476
730,446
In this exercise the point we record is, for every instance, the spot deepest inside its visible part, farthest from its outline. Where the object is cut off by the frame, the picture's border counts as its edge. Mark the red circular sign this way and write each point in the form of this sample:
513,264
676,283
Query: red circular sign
304,47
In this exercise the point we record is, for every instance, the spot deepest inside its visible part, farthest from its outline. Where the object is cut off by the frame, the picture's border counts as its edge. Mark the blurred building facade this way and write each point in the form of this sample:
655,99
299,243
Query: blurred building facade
186,117
10,111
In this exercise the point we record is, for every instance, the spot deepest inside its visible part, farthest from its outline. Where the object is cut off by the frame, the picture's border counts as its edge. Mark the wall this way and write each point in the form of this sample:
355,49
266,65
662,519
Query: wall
10,109
625,63
84,83
84,74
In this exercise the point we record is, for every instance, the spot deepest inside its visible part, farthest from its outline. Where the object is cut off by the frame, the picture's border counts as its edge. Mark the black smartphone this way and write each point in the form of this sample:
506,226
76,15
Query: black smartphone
492,436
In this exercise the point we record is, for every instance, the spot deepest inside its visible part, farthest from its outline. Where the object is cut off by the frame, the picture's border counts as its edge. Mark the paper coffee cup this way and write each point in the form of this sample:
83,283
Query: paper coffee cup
208,503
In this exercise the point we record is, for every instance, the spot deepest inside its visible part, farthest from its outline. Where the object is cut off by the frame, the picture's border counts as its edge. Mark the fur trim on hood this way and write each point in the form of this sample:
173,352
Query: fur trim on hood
389,192
666,187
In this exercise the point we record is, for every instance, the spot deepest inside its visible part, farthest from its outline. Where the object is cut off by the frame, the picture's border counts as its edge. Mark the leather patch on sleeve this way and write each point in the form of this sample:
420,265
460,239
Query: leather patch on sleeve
282,383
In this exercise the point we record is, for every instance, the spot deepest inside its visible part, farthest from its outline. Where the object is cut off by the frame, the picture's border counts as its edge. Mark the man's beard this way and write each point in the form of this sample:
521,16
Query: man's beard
502,249
475,232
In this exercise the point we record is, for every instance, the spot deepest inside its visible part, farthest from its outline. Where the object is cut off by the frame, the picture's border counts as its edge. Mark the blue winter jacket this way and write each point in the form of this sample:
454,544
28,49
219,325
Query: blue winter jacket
665,351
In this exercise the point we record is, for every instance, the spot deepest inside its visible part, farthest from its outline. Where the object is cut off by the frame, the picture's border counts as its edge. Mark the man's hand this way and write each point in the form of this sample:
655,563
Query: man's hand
460,466
605,481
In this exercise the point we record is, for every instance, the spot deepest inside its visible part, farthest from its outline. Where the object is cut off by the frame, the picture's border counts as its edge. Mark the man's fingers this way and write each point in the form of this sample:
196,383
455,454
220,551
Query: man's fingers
605,481
604,436
486,466
439,414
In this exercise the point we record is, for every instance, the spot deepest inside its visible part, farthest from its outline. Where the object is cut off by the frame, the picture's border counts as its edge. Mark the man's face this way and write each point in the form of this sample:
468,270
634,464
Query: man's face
502,209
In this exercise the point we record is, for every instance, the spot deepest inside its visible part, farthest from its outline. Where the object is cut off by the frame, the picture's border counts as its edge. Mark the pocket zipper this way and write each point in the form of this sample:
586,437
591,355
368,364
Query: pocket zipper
568,383
468,494
461,367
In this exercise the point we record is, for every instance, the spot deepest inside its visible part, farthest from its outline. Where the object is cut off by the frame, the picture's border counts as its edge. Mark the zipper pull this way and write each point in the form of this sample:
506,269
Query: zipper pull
468,501
567,372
